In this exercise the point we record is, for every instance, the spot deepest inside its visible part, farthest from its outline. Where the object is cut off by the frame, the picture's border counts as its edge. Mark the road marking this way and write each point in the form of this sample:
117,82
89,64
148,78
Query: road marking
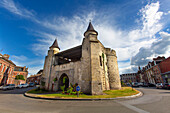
132,107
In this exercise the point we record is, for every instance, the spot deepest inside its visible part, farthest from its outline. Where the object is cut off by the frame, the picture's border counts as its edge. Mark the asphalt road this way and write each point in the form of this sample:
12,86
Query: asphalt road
153,101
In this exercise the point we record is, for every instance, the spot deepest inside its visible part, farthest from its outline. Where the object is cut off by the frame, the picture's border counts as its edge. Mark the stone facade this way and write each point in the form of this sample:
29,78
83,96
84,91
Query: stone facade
91,65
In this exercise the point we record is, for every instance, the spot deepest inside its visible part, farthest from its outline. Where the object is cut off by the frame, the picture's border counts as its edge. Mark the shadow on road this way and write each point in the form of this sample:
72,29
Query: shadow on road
16,91
164,92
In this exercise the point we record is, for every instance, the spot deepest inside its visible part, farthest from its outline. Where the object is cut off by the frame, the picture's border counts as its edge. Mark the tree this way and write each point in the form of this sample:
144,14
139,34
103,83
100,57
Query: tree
19,77
122,83
131,84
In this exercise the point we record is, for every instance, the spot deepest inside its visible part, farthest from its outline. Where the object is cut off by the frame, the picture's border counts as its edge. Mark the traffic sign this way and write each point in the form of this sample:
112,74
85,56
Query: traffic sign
78,88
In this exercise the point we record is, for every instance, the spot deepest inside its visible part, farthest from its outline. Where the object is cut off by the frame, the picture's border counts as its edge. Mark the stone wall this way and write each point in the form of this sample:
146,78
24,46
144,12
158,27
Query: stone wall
113,71
85,67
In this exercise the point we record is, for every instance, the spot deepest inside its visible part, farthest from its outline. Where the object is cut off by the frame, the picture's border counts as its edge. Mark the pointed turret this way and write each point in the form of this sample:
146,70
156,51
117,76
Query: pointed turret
55,47
90,29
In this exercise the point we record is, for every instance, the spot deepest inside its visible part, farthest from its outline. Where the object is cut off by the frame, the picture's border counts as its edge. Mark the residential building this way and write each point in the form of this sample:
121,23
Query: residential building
36,79
156,71
18,70
128,77
6,70
165,70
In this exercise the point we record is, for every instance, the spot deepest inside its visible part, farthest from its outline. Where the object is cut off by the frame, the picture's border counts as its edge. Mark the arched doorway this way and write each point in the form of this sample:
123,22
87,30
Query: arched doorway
64,80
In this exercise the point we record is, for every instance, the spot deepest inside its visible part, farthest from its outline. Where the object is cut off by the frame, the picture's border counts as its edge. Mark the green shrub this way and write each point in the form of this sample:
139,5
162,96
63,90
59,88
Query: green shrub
42,83
122,83
55,79
19,77
69,90
62,88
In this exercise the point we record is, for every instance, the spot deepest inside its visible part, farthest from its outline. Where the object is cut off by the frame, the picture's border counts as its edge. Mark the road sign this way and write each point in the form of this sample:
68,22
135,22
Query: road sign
78,88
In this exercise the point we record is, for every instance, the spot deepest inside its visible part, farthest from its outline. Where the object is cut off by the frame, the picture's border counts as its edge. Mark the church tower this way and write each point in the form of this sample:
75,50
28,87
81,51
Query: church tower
55,47
48,64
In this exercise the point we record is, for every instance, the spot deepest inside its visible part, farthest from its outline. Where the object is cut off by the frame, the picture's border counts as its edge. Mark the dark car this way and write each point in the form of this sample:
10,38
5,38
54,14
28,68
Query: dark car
135,84
128,84
145,85
151,85
31,84
148,85
166,86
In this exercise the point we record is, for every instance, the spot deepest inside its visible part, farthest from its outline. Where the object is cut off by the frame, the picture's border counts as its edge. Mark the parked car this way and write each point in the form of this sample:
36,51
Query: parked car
8,86
22,86
148,85
145,85
159,85
31,84
151,85
128,84
1,87
166,86
135,84
140,84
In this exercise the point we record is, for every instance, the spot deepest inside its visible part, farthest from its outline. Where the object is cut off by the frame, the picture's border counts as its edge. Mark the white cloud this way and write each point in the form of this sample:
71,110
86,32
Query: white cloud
158,48
16,9
33,65
21,57
25,61
34,70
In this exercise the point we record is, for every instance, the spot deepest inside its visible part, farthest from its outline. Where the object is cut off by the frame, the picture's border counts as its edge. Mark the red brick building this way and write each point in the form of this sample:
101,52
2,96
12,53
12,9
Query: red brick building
8,71
157,71
18,70
165,70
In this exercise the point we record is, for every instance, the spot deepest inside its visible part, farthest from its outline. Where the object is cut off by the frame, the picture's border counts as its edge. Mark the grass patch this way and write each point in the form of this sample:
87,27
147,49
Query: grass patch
124,91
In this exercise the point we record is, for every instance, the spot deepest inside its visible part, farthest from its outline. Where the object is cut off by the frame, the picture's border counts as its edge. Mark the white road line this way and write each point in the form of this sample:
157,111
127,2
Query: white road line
132,107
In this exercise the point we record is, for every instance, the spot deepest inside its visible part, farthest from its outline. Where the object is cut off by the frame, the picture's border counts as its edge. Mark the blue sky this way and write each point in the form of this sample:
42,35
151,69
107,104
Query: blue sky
137,29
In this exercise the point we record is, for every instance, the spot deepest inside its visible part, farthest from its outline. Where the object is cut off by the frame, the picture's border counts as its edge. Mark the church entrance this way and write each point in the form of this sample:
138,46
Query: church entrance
63,81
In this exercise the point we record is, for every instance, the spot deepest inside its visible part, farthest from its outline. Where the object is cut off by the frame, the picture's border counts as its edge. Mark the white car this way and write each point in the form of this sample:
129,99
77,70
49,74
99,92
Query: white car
159,85
8,86
22,86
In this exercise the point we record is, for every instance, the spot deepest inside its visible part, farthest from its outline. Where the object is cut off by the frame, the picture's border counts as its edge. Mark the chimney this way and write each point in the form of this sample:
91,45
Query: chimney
6,56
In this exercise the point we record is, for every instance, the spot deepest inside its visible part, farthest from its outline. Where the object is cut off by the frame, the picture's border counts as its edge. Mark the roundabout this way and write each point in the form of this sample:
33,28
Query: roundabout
125,92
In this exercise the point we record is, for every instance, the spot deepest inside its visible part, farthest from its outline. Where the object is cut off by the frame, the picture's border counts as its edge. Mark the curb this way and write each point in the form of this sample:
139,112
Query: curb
35,96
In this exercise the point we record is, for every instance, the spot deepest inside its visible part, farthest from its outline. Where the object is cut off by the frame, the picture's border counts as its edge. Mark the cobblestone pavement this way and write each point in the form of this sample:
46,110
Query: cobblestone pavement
153,101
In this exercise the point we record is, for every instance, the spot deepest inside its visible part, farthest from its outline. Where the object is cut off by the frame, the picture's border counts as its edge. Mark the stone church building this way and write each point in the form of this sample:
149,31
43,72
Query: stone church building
91,65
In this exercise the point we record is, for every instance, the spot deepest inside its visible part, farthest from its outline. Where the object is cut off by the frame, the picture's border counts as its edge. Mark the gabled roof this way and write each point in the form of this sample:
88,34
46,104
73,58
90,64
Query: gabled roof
9,61
55,44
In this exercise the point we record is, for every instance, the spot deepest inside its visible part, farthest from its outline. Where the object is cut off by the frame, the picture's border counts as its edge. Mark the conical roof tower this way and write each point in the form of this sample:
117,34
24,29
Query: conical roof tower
55,45
90,29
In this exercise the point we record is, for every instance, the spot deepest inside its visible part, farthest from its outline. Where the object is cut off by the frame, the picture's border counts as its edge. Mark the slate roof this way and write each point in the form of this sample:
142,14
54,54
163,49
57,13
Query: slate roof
55,44
90,28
